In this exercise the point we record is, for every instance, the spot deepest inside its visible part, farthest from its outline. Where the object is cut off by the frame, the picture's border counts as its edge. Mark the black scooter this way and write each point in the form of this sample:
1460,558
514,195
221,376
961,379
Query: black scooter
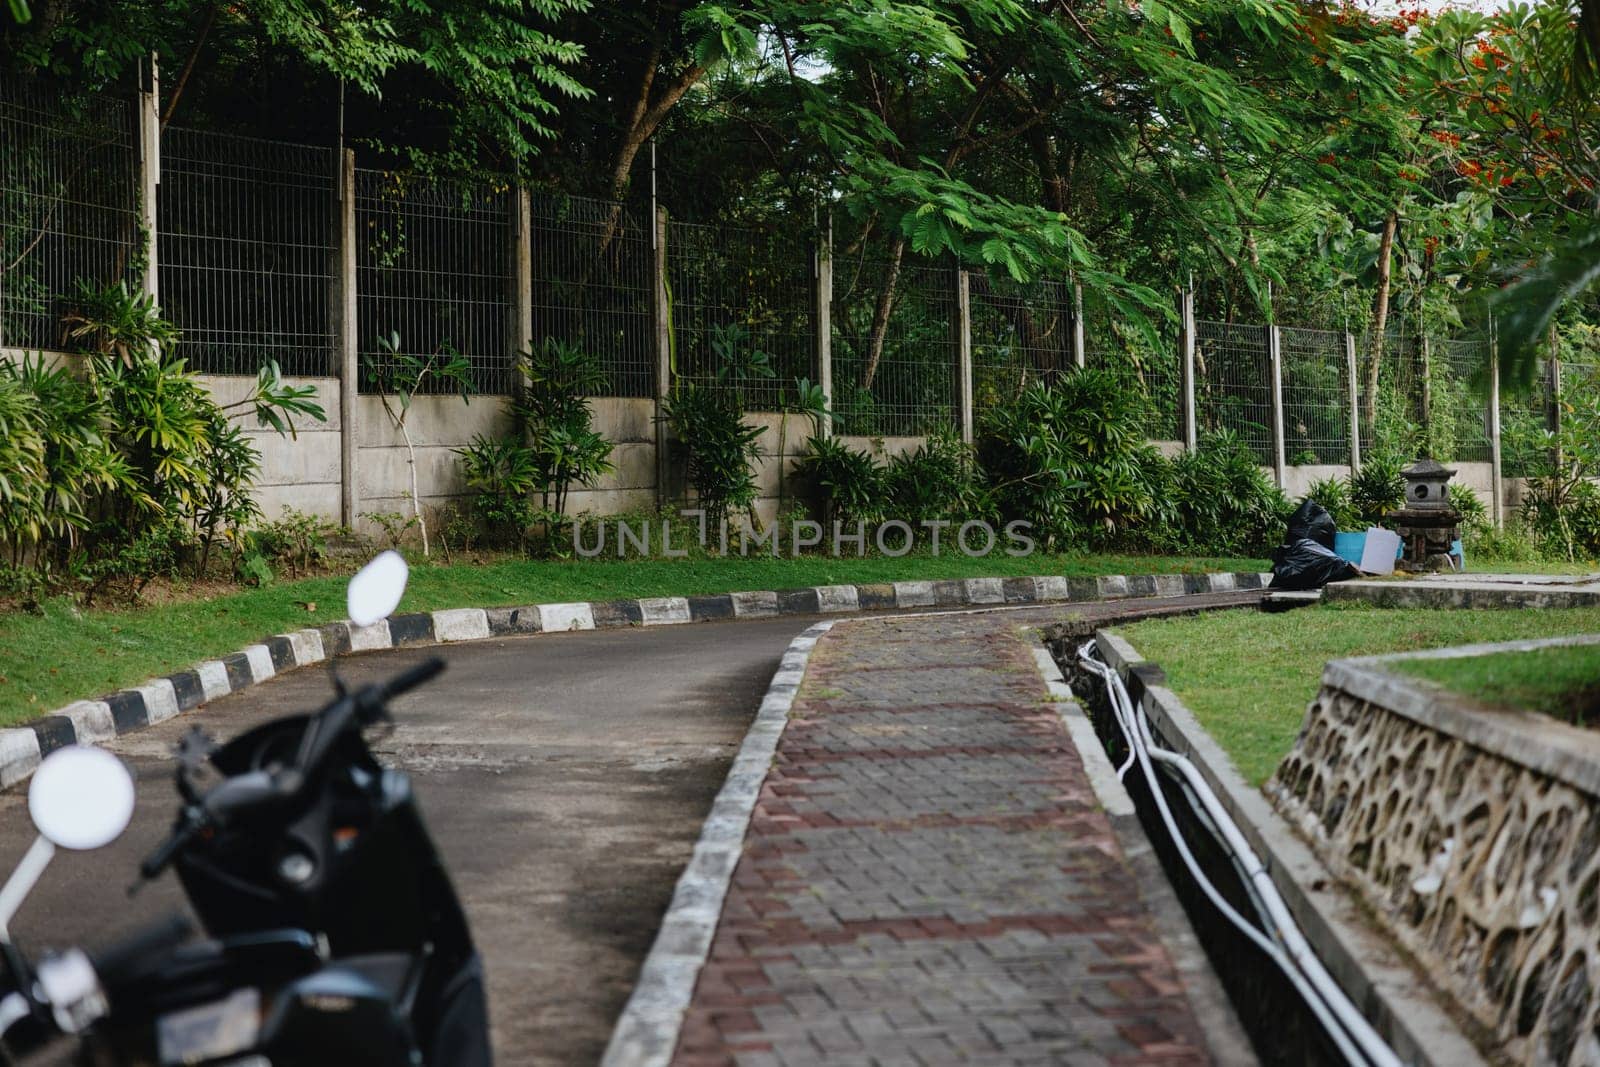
334,935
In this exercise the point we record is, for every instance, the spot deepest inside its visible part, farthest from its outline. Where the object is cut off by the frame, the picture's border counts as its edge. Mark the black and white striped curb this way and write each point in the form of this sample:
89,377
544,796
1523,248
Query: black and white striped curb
647,1031
96,721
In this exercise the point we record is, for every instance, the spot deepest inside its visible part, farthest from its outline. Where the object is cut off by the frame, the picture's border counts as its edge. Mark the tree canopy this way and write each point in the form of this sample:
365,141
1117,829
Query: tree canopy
1292,158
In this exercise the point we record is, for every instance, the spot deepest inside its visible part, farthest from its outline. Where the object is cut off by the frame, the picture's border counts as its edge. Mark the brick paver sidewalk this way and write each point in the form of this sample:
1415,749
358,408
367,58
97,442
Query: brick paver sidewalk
928,877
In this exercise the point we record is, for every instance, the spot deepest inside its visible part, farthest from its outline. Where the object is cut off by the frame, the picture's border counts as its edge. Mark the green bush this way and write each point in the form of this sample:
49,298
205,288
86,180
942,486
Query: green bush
131,465
553,416
501,475
718,446
1377,486
1474,515
1218,500
1071,458
936,480
1565,518
848,485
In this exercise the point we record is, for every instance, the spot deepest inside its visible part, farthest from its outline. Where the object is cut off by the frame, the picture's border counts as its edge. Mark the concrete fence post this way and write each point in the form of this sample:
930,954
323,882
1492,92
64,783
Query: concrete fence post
964,353
1496,481
1425,370
347,341
521,273
824,321
1275,362
1353,399
1186,372
149,122
1079,355
661,303
1553,405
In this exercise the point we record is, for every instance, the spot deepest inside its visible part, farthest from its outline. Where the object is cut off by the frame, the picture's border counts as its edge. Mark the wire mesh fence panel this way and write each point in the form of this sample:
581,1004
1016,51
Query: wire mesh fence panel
1233,383
1316,396
69,178
1458,418
432,266
1389,403
592,264
1020,334
247,232
899,379
743,312
1148,366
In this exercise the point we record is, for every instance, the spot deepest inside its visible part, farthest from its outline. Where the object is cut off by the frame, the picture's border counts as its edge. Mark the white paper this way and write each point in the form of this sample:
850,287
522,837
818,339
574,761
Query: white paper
1378,555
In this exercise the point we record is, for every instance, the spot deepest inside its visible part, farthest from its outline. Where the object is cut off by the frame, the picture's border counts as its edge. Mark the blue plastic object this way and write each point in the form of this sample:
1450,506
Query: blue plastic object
1350,546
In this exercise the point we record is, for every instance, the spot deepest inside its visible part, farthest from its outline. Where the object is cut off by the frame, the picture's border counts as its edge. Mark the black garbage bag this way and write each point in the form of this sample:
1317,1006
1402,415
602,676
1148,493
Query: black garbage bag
1305,564
1311,520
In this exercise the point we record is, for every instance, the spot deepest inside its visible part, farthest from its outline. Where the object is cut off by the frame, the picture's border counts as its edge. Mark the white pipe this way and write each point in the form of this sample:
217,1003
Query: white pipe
1348,1028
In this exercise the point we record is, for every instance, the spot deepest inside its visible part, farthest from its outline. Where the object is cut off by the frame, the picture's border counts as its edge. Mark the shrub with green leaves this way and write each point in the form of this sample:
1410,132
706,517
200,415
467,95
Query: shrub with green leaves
1377,487
1474,515
846,483
132,463
501,475
553,416
936,480
1218,499
719,448
1070,457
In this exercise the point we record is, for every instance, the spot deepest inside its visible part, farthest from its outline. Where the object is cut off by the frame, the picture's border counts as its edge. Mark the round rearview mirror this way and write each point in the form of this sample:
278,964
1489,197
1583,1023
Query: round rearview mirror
376,589
81,798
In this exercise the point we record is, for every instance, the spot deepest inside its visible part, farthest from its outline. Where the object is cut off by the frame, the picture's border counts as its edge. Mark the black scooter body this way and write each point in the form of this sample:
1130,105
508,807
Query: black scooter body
403,972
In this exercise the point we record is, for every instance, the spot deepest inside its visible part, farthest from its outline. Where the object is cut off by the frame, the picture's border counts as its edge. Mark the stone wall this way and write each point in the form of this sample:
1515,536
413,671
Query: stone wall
1474,837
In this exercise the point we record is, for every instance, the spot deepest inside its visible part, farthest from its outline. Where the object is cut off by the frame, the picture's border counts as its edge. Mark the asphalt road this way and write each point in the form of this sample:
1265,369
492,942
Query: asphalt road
565,778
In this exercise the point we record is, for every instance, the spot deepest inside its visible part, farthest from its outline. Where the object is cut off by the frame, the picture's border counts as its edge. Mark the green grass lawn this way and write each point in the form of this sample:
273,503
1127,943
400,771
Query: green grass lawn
64,654
1248,676
1564,682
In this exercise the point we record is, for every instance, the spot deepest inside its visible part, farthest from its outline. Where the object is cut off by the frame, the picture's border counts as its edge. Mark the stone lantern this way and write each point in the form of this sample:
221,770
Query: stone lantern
1427,524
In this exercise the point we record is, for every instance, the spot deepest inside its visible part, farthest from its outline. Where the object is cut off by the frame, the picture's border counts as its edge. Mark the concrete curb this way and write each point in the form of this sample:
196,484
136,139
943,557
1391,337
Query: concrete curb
1381,983
646,1034
128,710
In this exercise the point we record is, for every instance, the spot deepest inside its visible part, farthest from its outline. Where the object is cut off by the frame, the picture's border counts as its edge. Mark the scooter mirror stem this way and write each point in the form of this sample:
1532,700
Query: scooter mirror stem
22,881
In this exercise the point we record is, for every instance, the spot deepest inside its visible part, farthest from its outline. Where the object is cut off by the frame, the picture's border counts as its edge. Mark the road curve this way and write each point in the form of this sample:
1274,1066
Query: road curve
565,777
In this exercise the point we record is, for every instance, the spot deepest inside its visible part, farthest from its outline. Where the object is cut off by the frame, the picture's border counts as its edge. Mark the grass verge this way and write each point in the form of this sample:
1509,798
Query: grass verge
1248,676
64,654
1563,681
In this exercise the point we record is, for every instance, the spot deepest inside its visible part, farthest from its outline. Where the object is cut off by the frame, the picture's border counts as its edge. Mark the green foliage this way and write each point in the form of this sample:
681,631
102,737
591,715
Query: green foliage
1377,487
1071,458
936,480
554,419
1474,514
501,474
394,524
848,484
1218,495
131,470
718,446
736,356
294,541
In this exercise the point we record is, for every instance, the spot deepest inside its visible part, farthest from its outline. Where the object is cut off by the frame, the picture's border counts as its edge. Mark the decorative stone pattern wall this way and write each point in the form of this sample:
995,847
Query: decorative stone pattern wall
1474,836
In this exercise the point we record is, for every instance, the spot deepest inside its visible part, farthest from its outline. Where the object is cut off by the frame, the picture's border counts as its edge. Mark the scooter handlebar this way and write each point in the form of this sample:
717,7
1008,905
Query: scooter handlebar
180,837
410,678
